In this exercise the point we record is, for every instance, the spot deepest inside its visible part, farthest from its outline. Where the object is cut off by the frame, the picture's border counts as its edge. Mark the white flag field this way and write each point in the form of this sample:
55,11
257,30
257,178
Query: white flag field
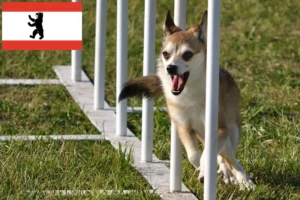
41,26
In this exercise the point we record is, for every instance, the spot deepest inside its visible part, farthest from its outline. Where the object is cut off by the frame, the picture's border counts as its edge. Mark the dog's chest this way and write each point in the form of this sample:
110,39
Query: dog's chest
190,115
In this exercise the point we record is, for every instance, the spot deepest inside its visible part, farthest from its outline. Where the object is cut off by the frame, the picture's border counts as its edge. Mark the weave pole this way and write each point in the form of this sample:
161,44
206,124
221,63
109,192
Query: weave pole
148,68
211,107
100,54
122,41
176,146
76,56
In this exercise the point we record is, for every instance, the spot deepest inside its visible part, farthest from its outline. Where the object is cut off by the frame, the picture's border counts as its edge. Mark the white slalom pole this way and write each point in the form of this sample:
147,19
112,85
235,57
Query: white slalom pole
100,54
122,28
76,61
176,146
148,68
212,88
175,161
76,65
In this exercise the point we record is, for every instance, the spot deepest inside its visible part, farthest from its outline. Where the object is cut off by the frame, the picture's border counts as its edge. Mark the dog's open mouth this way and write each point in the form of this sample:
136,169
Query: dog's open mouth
178,82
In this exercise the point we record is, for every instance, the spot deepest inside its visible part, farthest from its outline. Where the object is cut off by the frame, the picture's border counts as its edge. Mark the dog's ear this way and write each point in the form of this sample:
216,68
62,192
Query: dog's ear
202,25
200,29
169,25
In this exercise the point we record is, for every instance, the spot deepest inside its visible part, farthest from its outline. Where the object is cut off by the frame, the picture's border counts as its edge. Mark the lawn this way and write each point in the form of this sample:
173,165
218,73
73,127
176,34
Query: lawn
29,168
50,108
260,46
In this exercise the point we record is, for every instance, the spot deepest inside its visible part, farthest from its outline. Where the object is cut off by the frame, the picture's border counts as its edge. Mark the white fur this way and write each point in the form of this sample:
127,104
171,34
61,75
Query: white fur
194,91
184,48
174,59
170,47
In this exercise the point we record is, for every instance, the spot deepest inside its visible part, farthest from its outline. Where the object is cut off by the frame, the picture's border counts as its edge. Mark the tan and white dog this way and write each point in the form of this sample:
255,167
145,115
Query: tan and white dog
181,78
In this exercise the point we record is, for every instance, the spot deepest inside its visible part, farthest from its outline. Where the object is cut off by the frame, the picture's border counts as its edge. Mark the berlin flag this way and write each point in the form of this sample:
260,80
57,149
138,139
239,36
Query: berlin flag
41,26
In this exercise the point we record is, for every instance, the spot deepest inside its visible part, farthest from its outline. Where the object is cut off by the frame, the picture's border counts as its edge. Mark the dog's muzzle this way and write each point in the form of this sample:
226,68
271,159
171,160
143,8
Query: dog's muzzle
172,69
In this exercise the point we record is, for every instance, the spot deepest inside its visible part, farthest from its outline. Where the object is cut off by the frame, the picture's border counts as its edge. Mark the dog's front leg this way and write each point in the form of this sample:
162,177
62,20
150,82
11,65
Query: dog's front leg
189,139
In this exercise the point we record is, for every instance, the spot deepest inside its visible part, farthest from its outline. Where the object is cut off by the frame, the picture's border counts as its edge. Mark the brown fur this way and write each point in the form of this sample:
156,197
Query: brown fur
146,86
169,26
180,38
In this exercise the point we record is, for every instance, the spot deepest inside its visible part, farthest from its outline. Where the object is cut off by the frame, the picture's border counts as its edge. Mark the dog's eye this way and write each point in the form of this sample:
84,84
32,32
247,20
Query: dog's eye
187,55
166,55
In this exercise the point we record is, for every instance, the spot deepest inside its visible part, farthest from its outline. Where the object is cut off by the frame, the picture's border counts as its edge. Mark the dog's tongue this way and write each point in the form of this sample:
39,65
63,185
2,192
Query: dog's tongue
177,82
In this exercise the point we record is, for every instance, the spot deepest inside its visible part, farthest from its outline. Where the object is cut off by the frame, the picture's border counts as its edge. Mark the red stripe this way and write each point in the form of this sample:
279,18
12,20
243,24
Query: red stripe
41,45
42,6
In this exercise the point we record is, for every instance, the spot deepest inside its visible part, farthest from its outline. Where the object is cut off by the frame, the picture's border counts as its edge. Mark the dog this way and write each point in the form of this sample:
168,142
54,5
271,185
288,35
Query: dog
181,78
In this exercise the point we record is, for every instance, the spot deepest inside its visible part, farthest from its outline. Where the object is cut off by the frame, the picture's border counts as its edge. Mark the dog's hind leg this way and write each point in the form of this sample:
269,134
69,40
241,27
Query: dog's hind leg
189,139
225,172
222,138
228,177
235,167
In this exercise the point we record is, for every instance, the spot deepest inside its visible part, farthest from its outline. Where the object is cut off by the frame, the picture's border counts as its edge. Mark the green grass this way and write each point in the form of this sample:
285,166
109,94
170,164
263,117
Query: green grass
260,46
28,168
41,110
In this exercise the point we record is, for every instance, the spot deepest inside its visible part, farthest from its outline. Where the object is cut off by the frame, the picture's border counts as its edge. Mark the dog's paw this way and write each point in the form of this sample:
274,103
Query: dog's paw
228,178
201,178
227,175
201,174
245,182
233,180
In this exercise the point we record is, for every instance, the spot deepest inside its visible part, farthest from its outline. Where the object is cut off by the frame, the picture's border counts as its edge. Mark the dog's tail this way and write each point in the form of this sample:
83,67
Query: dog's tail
146,86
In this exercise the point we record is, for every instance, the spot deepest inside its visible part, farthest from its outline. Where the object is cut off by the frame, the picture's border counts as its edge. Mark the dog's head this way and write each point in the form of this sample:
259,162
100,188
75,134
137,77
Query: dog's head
183,52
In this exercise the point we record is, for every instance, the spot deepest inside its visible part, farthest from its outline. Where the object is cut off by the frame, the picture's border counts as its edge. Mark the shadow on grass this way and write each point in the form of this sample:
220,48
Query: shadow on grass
279,178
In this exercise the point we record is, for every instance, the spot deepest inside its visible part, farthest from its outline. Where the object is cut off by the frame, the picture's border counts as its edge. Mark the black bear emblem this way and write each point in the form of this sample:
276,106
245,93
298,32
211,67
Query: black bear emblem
38,25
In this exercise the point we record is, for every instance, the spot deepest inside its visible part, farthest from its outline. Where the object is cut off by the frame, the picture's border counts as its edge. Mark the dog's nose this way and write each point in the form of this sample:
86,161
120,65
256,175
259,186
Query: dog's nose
172,69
